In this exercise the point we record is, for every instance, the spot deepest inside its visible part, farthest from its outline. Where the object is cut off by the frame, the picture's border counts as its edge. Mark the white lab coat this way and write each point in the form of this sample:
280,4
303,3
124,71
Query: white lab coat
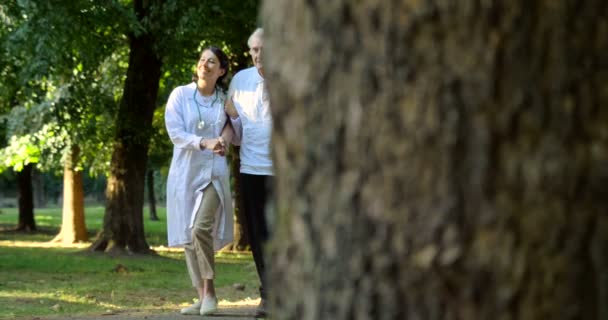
192,169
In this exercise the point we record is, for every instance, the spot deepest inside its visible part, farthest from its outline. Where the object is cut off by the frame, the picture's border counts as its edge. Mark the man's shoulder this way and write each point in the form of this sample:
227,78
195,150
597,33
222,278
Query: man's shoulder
245,74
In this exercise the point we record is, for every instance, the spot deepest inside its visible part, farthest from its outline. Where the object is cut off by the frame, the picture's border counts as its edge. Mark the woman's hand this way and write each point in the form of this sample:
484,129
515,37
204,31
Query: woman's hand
220,147
217,145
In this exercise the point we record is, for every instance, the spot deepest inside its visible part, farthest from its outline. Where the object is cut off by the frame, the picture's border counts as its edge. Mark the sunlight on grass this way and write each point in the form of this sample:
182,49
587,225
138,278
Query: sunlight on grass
37,244
43,218
39,278
68,281
44,298
246,302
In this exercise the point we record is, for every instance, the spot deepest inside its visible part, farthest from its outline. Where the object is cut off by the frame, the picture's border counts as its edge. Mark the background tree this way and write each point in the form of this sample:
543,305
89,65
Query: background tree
9,99
73,227
439,160
159,158
240,59
123,219
25,199
64,88
151,195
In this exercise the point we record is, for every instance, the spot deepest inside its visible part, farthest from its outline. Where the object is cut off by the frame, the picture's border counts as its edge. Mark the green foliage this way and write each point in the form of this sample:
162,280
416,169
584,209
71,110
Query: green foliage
181,26
20,152
61,79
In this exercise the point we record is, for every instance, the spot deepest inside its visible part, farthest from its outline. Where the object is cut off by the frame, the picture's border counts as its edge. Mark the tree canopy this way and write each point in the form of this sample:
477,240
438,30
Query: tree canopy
64,63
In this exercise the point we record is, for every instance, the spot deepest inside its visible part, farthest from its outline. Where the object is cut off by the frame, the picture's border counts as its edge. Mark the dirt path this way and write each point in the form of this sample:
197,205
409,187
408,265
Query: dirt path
224,313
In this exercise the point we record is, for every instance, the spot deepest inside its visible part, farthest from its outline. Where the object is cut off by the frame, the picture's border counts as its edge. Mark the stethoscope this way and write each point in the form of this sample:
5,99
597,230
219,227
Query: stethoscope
201,123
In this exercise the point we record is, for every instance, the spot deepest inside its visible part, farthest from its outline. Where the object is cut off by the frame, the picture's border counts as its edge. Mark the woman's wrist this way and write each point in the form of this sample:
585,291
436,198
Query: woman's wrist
203,144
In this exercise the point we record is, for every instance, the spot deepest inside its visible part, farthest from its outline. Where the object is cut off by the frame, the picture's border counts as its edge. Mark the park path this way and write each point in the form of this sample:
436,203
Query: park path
226,313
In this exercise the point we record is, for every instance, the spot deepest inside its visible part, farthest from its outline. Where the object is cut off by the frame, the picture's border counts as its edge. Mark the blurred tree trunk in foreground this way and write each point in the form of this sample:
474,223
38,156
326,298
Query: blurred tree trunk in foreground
25,199
73,227
439,159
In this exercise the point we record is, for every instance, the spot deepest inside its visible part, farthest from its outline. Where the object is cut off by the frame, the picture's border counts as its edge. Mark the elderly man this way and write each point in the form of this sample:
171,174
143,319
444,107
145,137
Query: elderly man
249,111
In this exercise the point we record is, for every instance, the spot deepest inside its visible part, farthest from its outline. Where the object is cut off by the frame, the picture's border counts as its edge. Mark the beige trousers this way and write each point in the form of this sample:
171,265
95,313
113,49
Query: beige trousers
199,253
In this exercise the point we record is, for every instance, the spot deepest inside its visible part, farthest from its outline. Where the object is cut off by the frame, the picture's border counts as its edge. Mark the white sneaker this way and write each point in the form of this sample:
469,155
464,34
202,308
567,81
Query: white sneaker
193,309
208,306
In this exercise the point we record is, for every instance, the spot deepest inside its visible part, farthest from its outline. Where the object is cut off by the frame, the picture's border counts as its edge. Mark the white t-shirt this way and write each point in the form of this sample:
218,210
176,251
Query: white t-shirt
254,124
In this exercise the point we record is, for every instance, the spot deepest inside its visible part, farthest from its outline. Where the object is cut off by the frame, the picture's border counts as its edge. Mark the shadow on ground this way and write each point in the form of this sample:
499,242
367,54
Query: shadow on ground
224,313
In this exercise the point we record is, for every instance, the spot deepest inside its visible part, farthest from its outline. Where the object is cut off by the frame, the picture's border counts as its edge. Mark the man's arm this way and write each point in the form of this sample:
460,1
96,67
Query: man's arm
235,121
231,109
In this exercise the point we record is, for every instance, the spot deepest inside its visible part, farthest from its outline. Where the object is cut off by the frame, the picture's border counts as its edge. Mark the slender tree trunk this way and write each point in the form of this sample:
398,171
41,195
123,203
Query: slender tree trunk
240,236
439,159
151,196
73,227
123,227
38,189
25,199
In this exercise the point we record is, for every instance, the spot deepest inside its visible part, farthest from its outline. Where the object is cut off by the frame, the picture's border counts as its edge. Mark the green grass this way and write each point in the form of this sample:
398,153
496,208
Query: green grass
48,220
38,281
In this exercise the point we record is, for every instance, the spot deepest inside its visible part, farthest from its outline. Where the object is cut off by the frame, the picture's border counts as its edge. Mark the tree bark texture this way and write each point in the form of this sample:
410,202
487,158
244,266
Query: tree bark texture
439,159
73,227
123,227
151,196
25,199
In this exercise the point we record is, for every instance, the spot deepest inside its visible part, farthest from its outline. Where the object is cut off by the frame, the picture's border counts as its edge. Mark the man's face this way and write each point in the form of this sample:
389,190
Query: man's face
256,52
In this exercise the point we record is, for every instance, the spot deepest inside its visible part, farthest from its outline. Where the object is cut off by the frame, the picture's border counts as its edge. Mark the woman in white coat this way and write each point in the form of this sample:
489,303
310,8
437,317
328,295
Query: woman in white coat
199,202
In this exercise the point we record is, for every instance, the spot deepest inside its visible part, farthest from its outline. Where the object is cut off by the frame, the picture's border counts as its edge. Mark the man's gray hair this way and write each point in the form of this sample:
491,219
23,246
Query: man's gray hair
258,33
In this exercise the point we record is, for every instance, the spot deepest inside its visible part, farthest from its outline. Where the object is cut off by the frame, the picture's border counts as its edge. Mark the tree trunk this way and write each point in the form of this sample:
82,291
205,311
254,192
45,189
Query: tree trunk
25,199
240,240
73,227
151,197
38,191
123,227
439,159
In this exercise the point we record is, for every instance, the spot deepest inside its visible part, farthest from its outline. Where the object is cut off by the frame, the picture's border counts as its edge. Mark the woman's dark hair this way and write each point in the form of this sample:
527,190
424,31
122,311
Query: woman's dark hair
224,64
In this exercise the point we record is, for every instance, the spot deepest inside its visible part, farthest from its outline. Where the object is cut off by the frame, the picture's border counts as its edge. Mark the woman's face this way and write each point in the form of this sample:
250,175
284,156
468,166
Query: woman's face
209,68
